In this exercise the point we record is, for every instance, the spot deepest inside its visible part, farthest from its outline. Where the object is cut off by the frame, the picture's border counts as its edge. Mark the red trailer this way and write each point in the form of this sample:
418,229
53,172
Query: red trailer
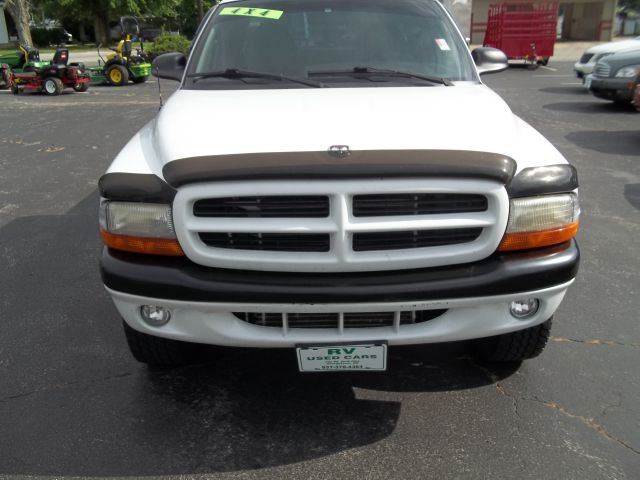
523,30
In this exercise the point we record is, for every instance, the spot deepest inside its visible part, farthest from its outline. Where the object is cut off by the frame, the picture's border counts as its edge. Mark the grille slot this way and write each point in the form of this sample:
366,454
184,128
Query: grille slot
366,242
602,70
274,242
417,204
316,206
332,320
586,57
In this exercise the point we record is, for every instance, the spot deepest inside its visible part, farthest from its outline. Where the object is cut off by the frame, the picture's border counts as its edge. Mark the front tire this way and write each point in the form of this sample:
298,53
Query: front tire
81,87
117,75
158,351
515,346
52,86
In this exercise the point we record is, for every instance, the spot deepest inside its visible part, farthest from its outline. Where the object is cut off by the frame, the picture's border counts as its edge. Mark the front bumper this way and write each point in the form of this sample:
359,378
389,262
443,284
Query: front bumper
617,89
476,297
214,323
583,69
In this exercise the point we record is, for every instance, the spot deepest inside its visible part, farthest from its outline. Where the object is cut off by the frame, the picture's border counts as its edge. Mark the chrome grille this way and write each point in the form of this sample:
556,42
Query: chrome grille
602,70
366,225
338,320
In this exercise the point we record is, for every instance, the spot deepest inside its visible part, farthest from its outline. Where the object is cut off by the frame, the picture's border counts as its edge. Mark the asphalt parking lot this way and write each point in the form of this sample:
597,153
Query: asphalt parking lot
73,402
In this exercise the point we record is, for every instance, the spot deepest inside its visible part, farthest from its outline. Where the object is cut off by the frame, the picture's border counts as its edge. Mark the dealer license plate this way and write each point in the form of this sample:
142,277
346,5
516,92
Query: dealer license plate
372,357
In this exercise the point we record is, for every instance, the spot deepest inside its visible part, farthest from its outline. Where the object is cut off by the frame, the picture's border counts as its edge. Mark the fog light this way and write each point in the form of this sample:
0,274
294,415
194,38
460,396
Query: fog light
154,315
525,308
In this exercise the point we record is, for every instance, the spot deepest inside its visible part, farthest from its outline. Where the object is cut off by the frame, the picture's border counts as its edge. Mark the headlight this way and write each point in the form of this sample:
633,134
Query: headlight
139,227
628,72
541,221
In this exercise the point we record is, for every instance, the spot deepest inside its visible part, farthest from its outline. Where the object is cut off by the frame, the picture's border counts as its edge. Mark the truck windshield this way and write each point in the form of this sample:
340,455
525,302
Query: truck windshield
331,43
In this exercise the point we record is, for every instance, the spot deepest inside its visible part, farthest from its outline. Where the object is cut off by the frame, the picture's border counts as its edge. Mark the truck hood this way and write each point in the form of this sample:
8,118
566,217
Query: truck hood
204,124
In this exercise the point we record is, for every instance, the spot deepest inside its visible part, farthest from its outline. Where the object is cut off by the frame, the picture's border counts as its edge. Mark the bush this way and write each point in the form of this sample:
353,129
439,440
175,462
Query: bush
43,37
169,43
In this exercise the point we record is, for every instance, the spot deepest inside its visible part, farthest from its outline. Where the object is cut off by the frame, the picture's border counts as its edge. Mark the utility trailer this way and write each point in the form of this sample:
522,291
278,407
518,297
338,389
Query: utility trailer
523,30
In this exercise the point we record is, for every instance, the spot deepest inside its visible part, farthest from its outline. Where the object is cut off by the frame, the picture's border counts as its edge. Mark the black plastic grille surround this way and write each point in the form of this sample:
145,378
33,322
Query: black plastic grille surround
331,320
282,206
372,241
417,204
275,242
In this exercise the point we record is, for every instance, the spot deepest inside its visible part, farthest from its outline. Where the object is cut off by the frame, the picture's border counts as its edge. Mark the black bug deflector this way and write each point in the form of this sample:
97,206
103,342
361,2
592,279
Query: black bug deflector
354,164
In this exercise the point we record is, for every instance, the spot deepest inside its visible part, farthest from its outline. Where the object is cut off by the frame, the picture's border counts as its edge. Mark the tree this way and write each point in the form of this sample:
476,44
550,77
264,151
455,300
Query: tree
19,11
200,10
100,12
627,6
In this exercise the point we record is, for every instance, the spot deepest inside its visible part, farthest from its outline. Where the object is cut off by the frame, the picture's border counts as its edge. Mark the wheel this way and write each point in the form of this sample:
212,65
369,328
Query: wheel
516,346
160,351
117,75
81,87
52,86
139,79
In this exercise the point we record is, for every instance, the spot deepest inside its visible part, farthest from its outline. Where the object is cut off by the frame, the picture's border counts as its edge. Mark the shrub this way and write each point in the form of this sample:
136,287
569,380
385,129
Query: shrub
43,37
169,43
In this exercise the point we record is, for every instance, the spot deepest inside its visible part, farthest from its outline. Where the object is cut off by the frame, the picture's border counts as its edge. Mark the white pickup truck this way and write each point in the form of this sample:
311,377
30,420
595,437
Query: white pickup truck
333,177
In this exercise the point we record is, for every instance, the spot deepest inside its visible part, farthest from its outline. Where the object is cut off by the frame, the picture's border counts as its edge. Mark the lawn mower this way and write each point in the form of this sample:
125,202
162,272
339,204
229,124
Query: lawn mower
52,78
123,65
23,59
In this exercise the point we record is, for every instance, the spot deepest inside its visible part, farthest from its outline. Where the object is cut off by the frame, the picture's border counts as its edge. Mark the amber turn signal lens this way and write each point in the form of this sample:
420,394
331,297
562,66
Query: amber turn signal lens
543,238
150,246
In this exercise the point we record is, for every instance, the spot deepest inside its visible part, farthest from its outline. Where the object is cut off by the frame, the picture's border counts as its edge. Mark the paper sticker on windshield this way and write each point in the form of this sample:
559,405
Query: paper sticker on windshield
252,12
442,44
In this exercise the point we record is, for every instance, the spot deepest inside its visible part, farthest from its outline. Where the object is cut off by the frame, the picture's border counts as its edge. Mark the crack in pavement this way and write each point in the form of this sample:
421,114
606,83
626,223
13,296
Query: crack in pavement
592,342
62,385
587,421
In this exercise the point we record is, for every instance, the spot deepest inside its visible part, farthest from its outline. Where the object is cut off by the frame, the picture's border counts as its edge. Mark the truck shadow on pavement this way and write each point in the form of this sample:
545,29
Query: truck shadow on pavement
614,143
577,90
597,106
74,402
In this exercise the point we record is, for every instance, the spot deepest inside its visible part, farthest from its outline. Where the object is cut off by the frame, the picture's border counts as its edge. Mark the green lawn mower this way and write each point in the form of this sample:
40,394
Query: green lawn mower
25,59
123,65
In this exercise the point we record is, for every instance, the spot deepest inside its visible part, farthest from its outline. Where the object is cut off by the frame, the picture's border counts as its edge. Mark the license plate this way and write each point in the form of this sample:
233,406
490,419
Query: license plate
371,357
587,82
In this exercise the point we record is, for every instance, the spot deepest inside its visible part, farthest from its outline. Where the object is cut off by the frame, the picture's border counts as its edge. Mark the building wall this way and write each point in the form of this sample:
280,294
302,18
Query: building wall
583,19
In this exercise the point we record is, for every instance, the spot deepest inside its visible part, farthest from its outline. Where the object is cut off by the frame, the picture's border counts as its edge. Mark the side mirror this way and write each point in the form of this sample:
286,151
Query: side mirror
169,65
489,60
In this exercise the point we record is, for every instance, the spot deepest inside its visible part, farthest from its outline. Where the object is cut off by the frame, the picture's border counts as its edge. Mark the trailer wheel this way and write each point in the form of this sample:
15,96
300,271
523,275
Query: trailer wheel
52,86
117,75
81,87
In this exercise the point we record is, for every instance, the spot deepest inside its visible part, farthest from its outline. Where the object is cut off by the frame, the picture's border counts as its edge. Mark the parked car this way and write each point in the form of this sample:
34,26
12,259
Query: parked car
590,57
615,77
362,189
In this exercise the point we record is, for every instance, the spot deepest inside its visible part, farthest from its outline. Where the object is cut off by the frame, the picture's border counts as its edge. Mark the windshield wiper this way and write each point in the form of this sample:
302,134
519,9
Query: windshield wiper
237,73
382,71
